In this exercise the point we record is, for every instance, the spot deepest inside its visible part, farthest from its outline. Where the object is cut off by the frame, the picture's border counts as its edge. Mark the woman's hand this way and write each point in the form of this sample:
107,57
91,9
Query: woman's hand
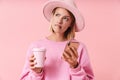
71,55
32,65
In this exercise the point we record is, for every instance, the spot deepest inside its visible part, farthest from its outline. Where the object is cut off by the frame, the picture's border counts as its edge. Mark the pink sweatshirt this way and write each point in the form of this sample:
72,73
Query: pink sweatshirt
55,67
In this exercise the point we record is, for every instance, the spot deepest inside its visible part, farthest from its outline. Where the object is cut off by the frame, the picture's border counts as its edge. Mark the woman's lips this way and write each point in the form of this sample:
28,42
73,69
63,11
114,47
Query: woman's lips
58,25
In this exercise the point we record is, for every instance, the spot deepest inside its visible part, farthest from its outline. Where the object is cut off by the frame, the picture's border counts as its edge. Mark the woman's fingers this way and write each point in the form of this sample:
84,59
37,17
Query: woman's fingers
32,67
68,59
32,58
32,62
71,52
37,70
70,55
74,52
66,55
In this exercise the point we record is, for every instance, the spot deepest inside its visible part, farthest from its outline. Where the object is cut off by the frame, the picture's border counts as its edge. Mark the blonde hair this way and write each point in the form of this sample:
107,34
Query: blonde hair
70,32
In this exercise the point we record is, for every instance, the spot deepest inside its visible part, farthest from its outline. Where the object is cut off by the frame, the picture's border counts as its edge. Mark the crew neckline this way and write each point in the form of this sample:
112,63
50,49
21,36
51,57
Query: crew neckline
59,42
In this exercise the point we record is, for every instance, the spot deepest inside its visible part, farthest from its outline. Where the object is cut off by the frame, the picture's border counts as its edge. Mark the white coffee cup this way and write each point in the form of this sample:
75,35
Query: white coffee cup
39,54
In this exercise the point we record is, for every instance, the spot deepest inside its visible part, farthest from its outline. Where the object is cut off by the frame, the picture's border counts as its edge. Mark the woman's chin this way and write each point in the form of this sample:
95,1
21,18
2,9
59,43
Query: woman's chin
58,31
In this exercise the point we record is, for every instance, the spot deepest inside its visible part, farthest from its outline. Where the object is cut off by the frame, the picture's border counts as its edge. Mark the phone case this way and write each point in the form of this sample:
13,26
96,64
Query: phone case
72,44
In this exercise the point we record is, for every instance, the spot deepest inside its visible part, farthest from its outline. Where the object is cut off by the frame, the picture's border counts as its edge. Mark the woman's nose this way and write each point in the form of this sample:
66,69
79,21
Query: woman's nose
60,21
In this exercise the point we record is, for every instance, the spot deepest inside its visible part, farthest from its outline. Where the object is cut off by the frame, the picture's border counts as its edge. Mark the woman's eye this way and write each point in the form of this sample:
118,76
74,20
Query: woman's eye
65,18
57,14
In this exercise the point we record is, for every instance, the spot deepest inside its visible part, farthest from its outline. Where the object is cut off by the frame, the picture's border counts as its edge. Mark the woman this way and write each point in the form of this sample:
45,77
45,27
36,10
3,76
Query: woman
62,63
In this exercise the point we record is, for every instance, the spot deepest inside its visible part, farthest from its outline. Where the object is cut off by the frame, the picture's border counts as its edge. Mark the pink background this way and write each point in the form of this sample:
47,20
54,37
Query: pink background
22,22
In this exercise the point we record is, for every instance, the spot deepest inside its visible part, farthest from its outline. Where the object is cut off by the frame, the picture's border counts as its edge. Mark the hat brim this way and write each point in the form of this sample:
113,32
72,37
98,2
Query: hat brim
50,5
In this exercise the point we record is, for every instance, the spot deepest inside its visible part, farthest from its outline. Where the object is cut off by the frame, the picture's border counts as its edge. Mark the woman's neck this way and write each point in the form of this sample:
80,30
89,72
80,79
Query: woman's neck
57,37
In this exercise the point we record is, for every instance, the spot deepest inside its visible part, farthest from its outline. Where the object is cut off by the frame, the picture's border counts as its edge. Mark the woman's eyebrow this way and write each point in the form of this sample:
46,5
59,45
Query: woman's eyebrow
67,16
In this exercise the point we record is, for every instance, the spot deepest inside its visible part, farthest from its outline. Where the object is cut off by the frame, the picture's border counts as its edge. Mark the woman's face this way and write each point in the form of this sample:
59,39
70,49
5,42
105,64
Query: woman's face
61,20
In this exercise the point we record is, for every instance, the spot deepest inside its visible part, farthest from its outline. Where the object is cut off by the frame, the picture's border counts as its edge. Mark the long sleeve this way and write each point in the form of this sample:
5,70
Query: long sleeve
56,68
27,73
84,69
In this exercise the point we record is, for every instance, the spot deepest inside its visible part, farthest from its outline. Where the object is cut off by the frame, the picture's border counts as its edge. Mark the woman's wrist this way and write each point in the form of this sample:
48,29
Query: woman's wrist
74,65
39,71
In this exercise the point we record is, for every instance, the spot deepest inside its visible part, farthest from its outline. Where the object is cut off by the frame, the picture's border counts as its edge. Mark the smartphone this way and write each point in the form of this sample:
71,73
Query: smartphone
73,44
